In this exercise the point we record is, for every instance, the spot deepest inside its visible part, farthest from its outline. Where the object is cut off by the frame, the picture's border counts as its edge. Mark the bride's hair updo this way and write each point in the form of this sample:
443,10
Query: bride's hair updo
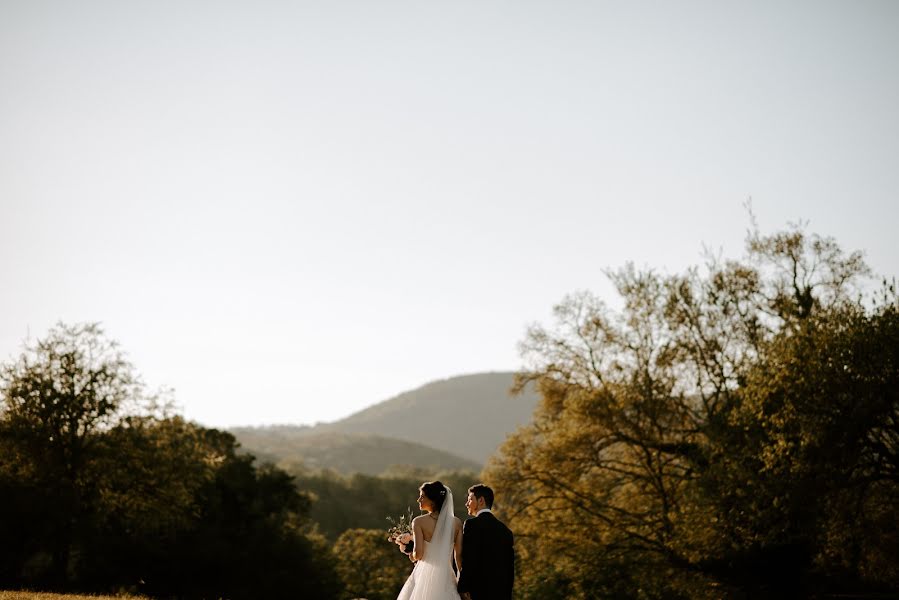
435,492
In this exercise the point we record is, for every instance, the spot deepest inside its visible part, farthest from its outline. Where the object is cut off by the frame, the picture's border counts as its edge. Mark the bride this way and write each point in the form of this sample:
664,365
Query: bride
437,537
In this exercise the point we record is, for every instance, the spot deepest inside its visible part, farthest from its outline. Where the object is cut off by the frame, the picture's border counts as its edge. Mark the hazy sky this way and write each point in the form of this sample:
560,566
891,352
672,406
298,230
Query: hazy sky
287,211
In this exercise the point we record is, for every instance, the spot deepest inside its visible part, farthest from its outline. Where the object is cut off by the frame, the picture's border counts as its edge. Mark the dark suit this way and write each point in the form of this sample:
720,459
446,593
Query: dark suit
488,559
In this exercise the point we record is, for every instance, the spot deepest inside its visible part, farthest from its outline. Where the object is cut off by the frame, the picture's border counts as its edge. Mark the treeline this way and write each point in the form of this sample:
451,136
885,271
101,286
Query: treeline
729,433
102,489
342,502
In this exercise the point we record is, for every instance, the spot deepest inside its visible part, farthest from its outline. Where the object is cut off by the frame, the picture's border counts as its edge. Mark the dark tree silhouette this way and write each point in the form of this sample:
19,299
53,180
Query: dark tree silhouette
100,493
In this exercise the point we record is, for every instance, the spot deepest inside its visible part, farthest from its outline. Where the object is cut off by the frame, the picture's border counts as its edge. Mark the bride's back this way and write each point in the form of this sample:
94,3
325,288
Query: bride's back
428,524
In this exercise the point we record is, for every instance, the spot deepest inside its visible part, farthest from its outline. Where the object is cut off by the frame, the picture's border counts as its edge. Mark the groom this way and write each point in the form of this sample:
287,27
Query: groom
488,559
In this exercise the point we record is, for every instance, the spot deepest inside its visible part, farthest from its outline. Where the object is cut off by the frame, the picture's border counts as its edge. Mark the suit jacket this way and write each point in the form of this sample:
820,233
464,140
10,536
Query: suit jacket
488,559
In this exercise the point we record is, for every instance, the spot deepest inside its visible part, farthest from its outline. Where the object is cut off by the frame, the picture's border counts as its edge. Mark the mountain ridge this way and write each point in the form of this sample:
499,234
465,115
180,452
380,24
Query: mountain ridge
465,416
347,453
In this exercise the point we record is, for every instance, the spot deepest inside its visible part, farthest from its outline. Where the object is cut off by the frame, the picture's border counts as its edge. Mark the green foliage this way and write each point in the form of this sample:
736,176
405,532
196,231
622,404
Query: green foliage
97,496
729,432
369,566
58,398
365,501
822,416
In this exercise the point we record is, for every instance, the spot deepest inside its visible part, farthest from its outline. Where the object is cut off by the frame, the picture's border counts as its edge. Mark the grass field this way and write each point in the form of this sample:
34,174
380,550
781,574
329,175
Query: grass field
49,596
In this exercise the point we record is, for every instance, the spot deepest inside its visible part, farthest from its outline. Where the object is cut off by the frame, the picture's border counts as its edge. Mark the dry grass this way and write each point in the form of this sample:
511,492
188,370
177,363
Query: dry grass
49,596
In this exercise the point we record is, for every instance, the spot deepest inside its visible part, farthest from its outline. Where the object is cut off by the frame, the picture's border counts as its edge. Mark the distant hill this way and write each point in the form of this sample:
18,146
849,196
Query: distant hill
467,416
344,452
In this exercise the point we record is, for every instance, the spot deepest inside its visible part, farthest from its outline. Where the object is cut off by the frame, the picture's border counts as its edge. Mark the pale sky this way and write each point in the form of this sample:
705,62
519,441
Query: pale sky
288,211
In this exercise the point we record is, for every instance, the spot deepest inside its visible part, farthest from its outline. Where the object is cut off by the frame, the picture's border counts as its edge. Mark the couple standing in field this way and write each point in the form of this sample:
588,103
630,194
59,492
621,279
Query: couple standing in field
482,549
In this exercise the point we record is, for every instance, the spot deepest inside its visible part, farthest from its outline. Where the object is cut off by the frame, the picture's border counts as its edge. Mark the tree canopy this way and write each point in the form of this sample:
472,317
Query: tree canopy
729,431
100,492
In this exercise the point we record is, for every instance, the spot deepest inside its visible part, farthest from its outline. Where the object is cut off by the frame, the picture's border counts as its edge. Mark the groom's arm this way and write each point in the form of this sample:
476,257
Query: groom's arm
511,560
471,556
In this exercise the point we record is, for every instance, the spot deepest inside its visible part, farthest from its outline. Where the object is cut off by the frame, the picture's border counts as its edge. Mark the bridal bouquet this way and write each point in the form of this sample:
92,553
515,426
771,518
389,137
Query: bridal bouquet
400,531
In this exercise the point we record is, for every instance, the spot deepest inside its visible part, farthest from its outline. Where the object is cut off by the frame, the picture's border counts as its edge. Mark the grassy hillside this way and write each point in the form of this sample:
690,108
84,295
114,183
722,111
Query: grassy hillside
345,452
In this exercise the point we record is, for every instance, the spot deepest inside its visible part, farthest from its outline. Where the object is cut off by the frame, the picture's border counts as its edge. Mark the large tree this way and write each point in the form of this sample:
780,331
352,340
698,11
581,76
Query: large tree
63,391
657,463
99,491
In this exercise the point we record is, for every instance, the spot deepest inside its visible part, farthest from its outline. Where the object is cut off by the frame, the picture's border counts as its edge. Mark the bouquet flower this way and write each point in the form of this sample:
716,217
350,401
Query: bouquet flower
400,531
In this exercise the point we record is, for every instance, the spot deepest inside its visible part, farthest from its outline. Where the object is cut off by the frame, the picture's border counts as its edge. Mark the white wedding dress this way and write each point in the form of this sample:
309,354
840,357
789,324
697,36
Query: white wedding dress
433,577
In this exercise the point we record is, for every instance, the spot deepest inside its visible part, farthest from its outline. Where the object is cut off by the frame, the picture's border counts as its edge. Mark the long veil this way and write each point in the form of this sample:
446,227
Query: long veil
433,576
441,543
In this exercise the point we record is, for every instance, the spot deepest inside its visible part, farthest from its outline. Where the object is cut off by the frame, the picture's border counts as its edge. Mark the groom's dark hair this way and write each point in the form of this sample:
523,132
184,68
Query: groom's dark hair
482,491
